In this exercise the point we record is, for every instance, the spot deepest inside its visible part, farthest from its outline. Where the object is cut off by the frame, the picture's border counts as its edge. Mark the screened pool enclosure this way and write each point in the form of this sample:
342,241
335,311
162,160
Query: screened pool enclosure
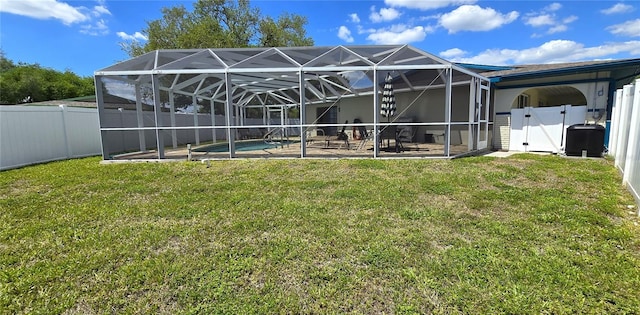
291,102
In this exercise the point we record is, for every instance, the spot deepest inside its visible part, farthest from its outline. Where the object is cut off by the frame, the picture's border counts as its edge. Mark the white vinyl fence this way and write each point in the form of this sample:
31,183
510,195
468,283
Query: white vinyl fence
624,136
37,134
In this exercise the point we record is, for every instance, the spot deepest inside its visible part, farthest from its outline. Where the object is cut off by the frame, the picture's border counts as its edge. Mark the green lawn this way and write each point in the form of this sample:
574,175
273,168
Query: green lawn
527,234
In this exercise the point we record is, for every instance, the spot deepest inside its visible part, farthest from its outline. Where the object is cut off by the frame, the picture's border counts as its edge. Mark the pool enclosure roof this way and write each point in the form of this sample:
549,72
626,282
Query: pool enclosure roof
262,76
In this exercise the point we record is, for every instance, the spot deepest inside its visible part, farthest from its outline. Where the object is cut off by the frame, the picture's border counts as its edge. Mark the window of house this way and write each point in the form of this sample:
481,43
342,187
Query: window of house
523,101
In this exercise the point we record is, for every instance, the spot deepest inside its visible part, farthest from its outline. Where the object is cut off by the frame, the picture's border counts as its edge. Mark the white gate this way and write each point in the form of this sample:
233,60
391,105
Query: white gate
543,129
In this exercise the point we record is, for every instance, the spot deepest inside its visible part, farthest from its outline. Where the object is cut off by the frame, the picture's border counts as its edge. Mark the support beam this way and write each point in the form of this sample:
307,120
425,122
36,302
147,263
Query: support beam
140,119
472,113
376,115
172,115
447,112
212,104
191,81
302,113
158,118
194,103
101,113
231,133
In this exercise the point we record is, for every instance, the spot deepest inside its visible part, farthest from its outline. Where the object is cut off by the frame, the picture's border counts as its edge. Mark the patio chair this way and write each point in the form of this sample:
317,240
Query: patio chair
361,133
342,137
365,136
406,134
388,133
315,135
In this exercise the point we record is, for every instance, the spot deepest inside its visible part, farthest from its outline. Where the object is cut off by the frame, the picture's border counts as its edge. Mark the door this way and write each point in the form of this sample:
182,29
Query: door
484,96
479,112
327,115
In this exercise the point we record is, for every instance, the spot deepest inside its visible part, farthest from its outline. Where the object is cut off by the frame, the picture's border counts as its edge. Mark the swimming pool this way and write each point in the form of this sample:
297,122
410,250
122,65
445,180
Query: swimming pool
251,145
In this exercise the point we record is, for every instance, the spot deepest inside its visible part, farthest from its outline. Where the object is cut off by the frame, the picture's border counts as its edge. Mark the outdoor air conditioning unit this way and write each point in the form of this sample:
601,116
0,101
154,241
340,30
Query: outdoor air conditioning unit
588,138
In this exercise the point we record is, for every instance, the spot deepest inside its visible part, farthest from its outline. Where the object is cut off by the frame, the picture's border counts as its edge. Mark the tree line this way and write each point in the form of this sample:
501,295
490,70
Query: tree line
26,83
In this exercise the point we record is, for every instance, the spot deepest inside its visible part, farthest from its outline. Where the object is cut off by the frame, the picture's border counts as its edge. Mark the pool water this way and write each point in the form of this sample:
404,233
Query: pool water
252,145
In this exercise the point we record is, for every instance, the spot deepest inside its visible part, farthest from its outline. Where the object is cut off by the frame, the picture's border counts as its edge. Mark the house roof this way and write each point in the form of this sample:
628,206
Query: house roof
622,68
111,101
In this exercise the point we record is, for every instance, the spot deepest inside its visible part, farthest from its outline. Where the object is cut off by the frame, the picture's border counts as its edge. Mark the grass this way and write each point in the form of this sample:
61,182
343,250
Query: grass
527,234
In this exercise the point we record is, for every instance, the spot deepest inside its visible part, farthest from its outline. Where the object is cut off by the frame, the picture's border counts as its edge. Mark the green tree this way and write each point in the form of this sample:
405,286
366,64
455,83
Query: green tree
19,82
219,23
5,64
284,32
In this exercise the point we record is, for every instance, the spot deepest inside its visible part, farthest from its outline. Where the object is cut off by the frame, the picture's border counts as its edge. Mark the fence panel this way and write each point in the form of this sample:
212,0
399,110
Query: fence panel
37,134
625,136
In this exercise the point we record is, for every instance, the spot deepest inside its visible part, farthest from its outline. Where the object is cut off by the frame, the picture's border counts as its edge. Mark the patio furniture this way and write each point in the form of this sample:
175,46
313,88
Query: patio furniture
391,132
342,137
315,135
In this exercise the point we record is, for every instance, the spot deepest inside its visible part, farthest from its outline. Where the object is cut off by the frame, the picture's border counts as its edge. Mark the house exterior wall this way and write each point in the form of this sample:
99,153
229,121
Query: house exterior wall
501,125
596,94
418,106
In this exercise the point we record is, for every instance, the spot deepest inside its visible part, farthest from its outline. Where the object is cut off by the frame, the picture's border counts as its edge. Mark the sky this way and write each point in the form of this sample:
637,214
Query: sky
86,36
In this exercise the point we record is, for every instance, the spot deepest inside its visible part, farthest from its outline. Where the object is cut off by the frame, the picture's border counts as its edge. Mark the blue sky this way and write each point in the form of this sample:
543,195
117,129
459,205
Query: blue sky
85,36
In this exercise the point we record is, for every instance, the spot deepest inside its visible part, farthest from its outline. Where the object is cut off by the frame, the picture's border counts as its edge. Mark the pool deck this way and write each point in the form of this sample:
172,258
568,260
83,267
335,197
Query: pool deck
318,149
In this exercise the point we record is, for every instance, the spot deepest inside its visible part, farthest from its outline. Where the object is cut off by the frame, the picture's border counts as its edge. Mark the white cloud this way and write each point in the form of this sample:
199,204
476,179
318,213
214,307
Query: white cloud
453,53
44,9
385,14
90,19
134,36
540,20
628,28
362,30
98,28
345,34
557,29
618,8
100,10
398,34
426,4
354,17
553,7
570,19
547,18
554,51
474,18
